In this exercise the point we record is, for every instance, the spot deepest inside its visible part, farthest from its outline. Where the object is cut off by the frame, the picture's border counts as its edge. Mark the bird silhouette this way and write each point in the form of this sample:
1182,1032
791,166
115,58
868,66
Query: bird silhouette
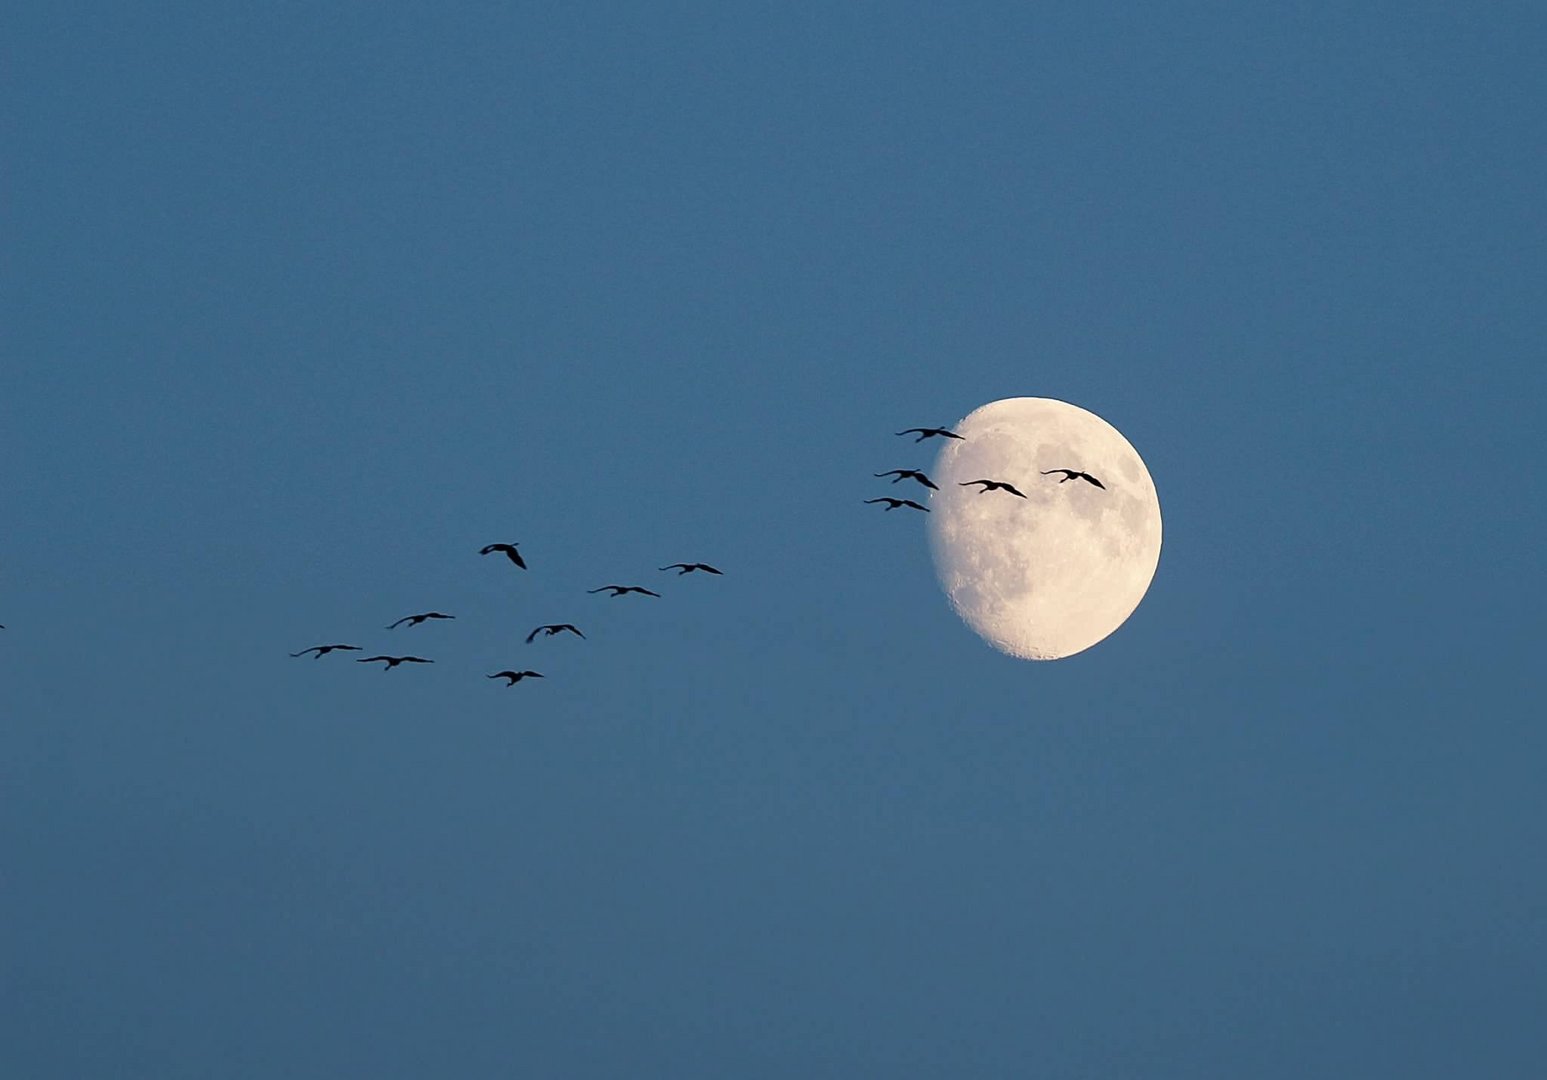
908,474
515,676
619,590
892,504
394,661
992,485
1075,474
415,620
323,650
554,628
689,567
509,550
925,432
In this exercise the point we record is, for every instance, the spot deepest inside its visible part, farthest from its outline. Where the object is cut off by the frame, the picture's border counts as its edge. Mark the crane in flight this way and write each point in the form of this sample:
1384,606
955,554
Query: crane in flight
394,661
515,676
689,567
323,650
992,485
509,550
1075,474
908,474
927,432
415,620
554,628
622,590
892,504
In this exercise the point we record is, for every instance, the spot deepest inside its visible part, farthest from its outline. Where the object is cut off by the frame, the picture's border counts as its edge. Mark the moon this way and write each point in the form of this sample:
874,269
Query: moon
1052,574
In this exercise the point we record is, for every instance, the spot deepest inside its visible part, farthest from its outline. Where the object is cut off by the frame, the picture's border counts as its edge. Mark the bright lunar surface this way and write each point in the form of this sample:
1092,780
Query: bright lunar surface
1051,574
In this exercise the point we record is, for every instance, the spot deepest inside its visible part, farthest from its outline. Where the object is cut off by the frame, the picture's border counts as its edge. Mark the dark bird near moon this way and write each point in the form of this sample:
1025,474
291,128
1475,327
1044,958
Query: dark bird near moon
509,550
515,676
926,432
992,485
621,590
323,650
415,620
689,567
1075,474
908,474
394,661
892,504
554,628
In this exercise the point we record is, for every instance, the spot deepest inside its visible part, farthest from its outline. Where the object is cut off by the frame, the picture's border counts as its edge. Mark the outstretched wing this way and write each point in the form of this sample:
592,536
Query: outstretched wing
372,659
315,648
1093,480
534,633
916,506
515,557
400,622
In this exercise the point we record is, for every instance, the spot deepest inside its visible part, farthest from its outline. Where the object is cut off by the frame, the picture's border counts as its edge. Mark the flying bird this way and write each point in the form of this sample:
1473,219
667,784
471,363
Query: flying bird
1074,474
323,650
509,550
925,432
908,474
619,590
892,504
394,661
554,628
992,485
516,676
689,567
415,620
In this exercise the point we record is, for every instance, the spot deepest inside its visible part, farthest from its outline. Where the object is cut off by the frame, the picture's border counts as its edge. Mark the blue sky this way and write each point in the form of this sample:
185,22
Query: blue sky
304,304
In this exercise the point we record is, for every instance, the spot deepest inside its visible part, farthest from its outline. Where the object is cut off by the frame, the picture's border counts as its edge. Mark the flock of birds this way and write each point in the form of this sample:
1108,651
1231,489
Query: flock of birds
899,475
512,552
511,676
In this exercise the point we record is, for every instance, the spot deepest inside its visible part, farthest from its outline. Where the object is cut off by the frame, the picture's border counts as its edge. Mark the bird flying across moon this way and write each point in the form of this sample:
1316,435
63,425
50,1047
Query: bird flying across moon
515,676
509,550
908,474
1075,474
893,504
323,650
394,661
992,485
929,433
1051,576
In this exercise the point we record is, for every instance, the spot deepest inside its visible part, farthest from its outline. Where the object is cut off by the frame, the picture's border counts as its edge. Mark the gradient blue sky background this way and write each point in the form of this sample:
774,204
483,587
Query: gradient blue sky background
305,303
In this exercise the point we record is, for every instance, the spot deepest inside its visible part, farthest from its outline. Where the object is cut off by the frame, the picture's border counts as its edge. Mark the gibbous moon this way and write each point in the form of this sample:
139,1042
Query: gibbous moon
1049,575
